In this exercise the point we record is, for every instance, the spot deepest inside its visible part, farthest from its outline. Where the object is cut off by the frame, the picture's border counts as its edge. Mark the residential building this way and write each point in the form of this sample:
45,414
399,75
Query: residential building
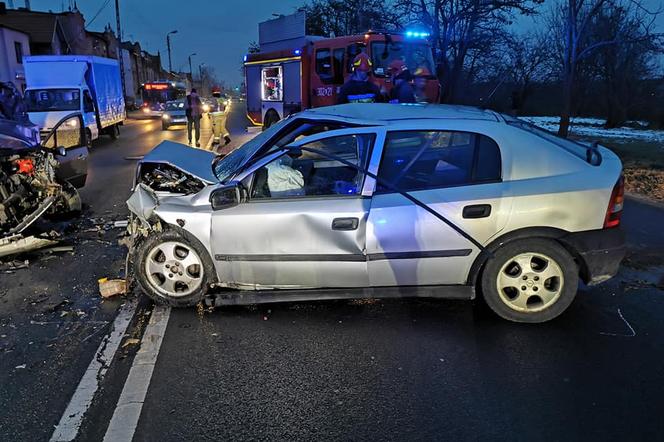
14,45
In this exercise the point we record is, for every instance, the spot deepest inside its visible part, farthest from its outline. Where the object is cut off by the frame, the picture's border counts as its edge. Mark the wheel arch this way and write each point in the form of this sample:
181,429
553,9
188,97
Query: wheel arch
550,233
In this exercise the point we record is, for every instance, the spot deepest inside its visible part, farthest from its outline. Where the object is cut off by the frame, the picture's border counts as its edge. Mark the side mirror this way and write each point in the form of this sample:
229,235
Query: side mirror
61,151
227,196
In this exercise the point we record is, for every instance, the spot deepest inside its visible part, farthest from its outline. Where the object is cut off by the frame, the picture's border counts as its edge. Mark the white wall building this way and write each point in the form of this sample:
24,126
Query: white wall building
13,46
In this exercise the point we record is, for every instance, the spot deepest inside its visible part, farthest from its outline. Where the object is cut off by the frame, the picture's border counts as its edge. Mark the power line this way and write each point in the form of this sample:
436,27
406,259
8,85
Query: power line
99,12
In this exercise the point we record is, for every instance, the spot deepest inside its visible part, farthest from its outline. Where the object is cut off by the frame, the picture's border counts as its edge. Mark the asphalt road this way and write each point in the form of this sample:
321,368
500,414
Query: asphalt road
397,369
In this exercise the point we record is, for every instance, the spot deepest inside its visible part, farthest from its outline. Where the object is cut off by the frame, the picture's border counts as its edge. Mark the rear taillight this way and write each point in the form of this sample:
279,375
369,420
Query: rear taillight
615,208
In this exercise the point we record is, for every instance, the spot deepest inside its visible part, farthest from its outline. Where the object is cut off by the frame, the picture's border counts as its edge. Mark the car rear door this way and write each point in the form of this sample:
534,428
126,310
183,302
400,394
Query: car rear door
304,224
69,133
457,174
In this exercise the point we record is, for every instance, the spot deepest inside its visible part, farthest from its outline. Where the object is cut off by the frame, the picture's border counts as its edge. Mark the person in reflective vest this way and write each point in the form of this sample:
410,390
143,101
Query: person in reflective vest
358,88
218,116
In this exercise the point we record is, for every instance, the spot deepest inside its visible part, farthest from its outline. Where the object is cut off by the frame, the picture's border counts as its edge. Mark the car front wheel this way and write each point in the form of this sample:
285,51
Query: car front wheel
532,280
173,268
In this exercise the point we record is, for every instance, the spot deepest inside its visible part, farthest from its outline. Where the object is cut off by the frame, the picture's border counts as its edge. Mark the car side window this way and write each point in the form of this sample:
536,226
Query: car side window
314,175
324,65
418,160
338,60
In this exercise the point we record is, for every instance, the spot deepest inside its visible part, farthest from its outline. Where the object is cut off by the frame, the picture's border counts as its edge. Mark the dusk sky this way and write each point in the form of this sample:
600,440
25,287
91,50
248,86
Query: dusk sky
219,31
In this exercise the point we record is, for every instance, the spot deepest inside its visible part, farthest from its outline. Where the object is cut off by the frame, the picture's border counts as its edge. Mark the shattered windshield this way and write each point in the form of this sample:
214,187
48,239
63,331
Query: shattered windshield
224,168
45,100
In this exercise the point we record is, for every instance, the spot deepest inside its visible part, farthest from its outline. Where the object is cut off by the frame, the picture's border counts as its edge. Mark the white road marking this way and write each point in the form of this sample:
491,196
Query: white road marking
70,422
128,410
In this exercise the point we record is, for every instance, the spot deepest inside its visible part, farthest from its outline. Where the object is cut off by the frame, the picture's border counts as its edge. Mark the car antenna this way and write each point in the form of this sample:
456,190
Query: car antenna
484,102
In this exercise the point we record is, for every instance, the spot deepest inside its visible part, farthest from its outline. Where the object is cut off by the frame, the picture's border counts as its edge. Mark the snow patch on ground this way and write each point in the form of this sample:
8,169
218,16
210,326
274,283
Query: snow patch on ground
593,128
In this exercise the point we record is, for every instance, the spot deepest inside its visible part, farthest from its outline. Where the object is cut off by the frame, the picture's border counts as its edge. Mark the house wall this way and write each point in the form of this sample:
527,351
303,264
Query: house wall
10,69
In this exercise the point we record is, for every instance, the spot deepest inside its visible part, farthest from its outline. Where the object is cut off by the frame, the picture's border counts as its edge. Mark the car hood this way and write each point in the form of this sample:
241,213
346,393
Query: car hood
196,162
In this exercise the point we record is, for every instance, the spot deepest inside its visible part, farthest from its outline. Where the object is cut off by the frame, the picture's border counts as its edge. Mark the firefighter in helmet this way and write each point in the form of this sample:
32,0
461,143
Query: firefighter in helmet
421,75
402,91
218,116
359,88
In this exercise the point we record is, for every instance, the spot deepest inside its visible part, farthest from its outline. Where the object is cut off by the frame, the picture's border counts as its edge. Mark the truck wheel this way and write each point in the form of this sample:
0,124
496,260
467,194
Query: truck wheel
114,132
173,268
271,117
88,139
164,126
530,280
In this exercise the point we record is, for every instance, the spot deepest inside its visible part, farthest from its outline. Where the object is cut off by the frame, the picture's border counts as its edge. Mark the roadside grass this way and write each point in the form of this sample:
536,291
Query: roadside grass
643,162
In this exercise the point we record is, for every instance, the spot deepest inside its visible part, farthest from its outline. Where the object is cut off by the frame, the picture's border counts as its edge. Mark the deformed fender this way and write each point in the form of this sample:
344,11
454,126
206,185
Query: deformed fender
143,203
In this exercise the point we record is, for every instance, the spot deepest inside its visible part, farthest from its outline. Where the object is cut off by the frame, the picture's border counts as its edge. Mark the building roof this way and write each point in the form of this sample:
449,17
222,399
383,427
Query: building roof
39,26
391,112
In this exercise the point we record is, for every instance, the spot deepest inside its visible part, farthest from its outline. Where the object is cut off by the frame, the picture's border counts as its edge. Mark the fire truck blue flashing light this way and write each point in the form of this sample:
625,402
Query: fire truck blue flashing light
415,34
297,52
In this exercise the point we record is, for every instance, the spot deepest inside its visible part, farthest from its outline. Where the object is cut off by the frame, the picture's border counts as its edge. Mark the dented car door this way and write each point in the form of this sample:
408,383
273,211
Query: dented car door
304,222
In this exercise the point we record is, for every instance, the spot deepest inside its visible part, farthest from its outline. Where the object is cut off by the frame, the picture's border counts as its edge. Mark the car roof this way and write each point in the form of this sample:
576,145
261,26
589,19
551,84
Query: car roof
386,112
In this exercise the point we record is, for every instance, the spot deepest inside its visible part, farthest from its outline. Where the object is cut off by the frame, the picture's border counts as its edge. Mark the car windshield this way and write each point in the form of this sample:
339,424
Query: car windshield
224,168
175,105
45,100
415,55
571,146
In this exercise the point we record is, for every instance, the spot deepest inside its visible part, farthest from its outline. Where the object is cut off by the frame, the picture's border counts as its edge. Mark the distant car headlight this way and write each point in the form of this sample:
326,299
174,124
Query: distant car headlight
206,108
166,117
146,110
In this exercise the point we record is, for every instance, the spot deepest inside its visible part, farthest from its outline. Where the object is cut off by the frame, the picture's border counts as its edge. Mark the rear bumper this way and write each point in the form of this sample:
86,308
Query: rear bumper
599,251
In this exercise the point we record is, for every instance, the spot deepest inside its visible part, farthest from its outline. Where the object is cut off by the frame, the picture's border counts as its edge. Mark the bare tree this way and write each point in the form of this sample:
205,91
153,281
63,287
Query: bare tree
525,59
463,32
348,17
571,28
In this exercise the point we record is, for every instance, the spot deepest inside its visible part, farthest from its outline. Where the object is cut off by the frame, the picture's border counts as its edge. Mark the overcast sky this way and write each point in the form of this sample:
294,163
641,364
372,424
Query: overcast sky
219,31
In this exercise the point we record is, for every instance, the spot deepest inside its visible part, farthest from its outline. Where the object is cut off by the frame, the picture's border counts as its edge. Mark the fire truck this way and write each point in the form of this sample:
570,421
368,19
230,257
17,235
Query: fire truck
300,72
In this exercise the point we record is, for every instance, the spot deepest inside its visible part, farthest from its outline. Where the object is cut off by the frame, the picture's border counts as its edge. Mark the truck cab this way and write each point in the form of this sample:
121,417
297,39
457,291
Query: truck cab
46,106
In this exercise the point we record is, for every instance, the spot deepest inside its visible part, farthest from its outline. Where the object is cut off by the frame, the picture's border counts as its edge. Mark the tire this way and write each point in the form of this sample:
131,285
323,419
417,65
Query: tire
154,252
114,132
271,117
164,126
545,270
88,139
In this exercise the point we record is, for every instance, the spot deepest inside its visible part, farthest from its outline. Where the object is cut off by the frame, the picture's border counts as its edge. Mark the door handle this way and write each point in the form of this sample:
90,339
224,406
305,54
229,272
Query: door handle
345,223
477,211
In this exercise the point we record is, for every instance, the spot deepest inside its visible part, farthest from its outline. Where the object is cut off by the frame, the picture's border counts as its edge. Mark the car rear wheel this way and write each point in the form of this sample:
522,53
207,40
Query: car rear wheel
174,268
531,280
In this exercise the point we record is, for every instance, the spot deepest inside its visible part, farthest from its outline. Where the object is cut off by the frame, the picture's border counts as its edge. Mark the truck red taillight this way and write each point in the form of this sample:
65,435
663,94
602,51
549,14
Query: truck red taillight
615,208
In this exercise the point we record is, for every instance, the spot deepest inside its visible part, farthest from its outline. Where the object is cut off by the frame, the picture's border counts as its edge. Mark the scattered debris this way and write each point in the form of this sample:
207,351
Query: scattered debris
20,366
134,158
131,341
19,244
112,287
122,223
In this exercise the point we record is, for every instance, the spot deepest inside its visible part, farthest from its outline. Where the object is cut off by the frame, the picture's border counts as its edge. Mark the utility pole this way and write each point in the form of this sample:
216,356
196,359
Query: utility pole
122,76
168,45
191,72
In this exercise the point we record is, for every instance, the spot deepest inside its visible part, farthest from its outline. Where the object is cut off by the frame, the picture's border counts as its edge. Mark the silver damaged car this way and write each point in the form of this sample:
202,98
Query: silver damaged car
381,200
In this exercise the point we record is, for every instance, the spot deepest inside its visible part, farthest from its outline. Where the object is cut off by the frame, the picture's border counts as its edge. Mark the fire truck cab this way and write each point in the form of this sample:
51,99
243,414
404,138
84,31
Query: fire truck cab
285,81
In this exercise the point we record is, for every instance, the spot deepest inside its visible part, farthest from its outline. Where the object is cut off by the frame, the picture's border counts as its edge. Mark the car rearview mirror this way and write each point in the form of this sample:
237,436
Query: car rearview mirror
227,196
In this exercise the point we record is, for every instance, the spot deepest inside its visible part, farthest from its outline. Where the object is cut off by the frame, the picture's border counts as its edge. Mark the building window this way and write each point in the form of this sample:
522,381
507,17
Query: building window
18,48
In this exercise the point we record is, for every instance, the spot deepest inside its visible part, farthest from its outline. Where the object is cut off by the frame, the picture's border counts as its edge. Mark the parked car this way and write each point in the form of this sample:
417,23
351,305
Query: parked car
379,201
174,114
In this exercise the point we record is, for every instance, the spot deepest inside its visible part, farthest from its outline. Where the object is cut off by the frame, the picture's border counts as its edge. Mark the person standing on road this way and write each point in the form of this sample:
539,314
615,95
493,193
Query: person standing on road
402,91
194,111
358,88
218,116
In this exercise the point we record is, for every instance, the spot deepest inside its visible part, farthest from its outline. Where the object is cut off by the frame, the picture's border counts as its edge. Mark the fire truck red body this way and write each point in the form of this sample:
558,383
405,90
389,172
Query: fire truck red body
282,82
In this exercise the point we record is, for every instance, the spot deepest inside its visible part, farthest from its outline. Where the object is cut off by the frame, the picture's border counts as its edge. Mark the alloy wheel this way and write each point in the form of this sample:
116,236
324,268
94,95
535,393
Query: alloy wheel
530,282
174,269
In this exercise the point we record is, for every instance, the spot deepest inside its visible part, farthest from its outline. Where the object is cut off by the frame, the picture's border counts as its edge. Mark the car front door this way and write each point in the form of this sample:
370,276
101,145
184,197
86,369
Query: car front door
456,173
69,133
304,223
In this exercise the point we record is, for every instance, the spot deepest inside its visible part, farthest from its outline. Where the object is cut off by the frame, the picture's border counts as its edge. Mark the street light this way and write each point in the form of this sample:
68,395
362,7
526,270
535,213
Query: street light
190,70
168,45
200,74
